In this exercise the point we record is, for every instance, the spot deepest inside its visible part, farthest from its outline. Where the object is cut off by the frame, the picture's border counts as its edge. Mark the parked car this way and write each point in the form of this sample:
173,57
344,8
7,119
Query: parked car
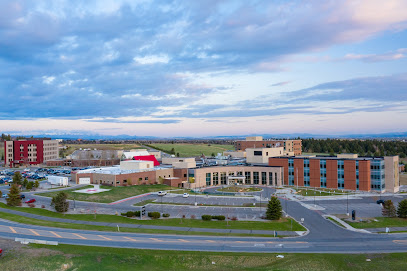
30,201
162,193
380,201
22,196
4,196
1,252
186,195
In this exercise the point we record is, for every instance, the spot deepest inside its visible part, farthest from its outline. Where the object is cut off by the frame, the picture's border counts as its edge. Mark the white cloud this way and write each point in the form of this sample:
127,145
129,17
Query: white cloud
48,79
152,59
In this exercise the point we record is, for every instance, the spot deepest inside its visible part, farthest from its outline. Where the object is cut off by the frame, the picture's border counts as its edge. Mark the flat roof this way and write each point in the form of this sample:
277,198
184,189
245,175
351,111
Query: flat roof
115,170
321,157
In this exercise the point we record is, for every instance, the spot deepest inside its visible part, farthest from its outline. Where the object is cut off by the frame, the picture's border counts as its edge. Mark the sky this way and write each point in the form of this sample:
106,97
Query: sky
203,68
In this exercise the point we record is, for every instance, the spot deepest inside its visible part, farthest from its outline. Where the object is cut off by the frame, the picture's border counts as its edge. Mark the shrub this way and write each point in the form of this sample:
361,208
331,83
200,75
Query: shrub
234,218
154,215
206,217
388,209
193,216
31,205
42,206
130,214
219,217
137,213
166,215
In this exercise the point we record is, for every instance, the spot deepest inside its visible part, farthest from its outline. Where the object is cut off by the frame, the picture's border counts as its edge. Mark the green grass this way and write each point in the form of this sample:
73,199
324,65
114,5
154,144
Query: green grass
382,222
188,150
284,224
115,193
239,189
336,222
319,192
144,202
79,258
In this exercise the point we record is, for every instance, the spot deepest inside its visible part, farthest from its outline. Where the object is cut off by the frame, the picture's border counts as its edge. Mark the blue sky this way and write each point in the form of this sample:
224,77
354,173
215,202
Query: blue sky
201,68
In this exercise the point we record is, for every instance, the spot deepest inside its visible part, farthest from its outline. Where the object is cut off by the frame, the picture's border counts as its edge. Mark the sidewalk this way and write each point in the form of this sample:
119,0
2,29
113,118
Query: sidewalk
139,226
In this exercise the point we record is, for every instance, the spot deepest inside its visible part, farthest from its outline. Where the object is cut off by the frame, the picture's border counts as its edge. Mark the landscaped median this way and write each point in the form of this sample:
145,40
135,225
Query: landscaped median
378,222
179,223
114,194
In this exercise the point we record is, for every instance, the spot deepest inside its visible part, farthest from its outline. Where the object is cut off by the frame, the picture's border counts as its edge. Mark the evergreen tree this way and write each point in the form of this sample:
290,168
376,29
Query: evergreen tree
60,203
30,185
274,210
402,209
388,209
17,178
36,184
14,198
25,182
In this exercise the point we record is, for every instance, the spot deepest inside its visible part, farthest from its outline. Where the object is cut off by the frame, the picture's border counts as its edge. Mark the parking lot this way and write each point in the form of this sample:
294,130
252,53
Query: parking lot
206,200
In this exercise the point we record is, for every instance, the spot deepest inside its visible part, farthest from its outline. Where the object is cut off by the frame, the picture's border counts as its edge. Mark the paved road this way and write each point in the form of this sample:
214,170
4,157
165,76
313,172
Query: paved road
367,243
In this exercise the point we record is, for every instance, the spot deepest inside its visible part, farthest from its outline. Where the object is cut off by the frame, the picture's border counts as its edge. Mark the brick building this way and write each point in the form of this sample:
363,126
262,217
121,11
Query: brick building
341,172
291,147
29,151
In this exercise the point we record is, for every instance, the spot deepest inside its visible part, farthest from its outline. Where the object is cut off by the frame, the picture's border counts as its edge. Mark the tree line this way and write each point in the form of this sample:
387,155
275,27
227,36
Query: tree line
370,147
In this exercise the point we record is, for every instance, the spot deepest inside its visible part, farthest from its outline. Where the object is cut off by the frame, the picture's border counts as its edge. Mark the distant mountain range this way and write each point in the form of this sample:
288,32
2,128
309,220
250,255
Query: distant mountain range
86,136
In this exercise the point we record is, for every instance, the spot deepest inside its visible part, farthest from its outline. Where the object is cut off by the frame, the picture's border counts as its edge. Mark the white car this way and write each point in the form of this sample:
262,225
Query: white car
162,193
186,195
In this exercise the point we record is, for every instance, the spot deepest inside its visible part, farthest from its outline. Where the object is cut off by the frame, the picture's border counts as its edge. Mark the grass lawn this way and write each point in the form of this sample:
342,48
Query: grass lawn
189,150
336,222
239,189
403,178
381,223
283,224
42,257
115,193
320,192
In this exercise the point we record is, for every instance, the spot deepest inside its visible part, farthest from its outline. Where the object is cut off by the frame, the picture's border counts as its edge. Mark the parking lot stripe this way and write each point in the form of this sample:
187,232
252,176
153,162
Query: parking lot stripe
33,231
129,238
210,241
155,239
101,236
57,235
12,229
80,236
182,240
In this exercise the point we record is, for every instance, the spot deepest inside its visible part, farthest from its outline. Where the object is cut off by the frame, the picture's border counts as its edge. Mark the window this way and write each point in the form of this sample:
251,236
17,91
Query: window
185,175
208,179
258,153
223,177
255,178
146,178
216,178
248,178
270,178
264,178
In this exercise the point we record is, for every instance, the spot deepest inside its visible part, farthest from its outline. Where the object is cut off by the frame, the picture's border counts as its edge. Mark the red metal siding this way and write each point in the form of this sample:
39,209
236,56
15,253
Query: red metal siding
364,175
299,172
314,172
331,174
350,174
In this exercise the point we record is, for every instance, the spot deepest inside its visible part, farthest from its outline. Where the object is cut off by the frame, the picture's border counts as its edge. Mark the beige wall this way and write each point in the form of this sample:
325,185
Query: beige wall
347,155
157,154
235,154
392,178
170,160
184,164
265,154
254,138
50,150
136,165
219,175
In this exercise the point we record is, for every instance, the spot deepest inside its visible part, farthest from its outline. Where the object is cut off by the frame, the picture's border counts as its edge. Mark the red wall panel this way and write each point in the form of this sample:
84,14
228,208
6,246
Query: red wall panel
331,174
350,174
315,173
364,175
280,162
299,172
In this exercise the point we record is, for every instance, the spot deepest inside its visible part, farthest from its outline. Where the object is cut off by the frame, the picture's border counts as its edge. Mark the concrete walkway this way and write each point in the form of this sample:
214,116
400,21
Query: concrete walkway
140,226
346,225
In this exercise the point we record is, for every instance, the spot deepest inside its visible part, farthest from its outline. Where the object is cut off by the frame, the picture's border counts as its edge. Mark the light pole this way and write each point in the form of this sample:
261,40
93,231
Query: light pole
347,203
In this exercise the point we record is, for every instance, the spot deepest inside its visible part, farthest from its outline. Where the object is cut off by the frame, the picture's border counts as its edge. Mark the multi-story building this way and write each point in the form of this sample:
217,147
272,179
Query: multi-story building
347,171
29,151
291,147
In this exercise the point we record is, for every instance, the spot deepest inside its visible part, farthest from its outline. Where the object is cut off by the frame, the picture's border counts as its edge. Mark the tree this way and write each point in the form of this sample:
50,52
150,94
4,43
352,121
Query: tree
402,209
25,182
274,210
36,184
30,185
14,198
60,203
177,154
388,209
17,178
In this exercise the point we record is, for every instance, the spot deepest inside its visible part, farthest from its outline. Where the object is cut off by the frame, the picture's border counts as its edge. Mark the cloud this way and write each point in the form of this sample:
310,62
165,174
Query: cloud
281,83
398,54
159,121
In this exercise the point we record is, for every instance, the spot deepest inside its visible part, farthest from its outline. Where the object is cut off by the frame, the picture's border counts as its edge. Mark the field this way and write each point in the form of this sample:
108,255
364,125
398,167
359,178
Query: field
189,150
79,258
74,147
319,192
381,223
403,178
115,194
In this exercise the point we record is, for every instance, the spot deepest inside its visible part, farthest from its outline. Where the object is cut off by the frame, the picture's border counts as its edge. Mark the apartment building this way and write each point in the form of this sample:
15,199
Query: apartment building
347,171
29,151
291,147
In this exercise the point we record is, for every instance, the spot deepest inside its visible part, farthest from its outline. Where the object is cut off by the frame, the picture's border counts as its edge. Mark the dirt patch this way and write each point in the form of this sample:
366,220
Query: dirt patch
11,246
403,178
